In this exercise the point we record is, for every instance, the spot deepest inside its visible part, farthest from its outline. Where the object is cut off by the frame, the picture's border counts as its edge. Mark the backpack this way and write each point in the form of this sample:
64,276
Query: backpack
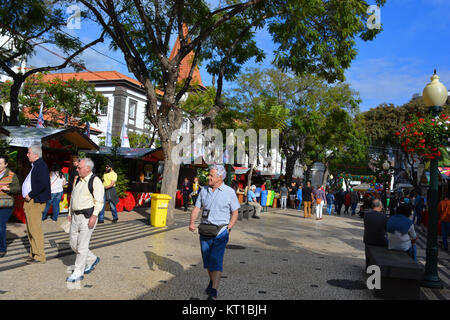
90,184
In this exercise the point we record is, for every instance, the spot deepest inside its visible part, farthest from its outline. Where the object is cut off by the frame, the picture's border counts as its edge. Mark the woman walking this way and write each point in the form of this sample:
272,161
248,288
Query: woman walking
321,200
9,186
293,194
347,202
57,183
284,195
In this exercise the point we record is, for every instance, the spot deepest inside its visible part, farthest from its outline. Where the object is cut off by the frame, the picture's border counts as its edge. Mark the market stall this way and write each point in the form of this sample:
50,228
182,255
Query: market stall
144,172
58,146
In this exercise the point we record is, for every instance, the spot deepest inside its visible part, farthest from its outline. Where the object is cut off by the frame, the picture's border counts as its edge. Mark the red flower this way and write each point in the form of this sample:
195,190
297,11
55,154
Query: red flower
422,140
421,120
397,133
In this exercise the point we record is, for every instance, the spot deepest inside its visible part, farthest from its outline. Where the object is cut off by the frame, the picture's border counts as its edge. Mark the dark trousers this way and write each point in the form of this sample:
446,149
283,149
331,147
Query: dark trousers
185,200
5,213
346,209
338,207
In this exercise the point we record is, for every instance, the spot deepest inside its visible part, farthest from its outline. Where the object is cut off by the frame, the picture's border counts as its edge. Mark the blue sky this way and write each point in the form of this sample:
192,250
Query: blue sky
391,68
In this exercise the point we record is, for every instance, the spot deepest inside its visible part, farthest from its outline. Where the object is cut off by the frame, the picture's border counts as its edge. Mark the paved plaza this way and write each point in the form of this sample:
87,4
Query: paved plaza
281,256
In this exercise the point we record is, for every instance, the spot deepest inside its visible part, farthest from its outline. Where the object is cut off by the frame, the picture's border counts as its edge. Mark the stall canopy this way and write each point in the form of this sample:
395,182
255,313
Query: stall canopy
26,136
445,172
240,170
362,187
146,154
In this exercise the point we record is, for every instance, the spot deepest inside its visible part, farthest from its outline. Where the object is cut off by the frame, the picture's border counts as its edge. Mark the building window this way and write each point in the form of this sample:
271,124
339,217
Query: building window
104,110
132,109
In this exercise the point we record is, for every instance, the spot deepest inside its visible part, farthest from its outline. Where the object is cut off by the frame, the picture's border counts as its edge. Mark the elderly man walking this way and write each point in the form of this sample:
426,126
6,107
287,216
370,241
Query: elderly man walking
219,205
85,205
36,192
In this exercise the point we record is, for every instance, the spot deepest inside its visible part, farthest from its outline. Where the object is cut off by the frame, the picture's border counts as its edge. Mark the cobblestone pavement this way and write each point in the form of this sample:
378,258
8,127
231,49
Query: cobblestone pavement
280,256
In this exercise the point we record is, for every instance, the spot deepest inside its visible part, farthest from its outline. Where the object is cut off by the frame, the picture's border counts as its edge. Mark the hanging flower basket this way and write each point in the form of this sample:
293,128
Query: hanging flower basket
424,135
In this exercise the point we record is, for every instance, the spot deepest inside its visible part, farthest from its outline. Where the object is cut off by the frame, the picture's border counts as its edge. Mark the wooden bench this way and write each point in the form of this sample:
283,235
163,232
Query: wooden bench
400,274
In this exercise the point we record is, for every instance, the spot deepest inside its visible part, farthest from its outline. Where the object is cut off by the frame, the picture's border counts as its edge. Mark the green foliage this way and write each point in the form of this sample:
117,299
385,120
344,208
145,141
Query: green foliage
76,98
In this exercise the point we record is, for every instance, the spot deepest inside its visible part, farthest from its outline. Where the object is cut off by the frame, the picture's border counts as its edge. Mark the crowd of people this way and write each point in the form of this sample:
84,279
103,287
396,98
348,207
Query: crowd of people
42,189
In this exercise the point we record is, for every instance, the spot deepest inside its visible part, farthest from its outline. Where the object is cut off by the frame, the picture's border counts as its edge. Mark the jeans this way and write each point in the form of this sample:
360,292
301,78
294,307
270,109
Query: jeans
299,204
213,250
445,230
5,213
101,215
417,216
329,208
354,205
283,202
54,201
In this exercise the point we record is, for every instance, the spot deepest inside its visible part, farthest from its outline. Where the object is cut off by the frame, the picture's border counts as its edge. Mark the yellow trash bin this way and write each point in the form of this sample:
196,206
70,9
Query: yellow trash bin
158,210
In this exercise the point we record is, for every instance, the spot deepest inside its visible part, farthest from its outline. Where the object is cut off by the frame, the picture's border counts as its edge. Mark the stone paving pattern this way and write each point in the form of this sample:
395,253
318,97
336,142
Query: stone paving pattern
281,256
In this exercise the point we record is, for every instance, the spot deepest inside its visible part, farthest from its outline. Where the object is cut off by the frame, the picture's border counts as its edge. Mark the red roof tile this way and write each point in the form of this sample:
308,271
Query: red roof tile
186,63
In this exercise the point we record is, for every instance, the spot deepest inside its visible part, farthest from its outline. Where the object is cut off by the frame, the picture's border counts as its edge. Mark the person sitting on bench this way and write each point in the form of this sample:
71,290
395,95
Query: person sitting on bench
401,234
252,202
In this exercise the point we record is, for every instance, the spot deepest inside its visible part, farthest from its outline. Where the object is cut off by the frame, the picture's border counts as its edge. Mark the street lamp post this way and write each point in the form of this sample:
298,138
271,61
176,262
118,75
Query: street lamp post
434,95
386,166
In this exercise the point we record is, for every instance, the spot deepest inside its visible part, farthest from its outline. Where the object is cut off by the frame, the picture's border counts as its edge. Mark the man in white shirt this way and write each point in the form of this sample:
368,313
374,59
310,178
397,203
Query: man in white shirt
83,213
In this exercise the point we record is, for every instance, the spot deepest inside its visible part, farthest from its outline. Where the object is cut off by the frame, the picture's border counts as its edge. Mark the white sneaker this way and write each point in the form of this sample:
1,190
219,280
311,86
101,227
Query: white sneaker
74,277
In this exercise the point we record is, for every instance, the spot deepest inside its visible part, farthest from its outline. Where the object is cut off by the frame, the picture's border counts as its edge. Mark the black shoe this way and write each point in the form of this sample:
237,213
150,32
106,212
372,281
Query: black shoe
34,261
101,221
115,220
211,297
256,217
2,254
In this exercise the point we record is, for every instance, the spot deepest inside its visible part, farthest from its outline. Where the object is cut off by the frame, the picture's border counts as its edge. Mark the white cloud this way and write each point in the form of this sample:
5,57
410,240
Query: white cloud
390,79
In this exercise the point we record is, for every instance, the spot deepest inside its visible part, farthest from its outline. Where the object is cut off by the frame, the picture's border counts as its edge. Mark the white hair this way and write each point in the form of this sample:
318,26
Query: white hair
88,162
220,170
253,187
36,149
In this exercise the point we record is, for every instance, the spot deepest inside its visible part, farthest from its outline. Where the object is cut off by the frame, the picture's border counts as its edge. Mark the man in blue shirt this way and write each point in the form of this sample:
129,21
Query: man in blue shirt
219,205
252,201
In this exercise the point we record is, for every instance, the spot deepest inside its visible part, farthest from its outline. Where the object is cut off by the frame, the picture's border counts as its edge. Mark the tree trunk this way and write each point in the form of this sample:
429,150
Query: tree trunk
249,182
170,179
290,165
325,176
14,103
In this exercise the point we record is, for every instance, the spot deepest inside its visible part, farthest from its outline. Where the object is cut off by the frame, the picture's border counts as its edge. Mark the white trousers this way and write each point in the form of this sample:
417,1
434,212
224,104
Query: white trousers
319,208
283,202
80,236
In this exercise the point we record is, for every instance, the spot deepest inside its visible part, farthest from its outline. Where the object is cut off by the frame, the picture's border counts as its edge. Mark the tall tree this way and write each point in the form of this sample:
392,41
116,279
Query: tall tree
320,115
315,37
25,26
